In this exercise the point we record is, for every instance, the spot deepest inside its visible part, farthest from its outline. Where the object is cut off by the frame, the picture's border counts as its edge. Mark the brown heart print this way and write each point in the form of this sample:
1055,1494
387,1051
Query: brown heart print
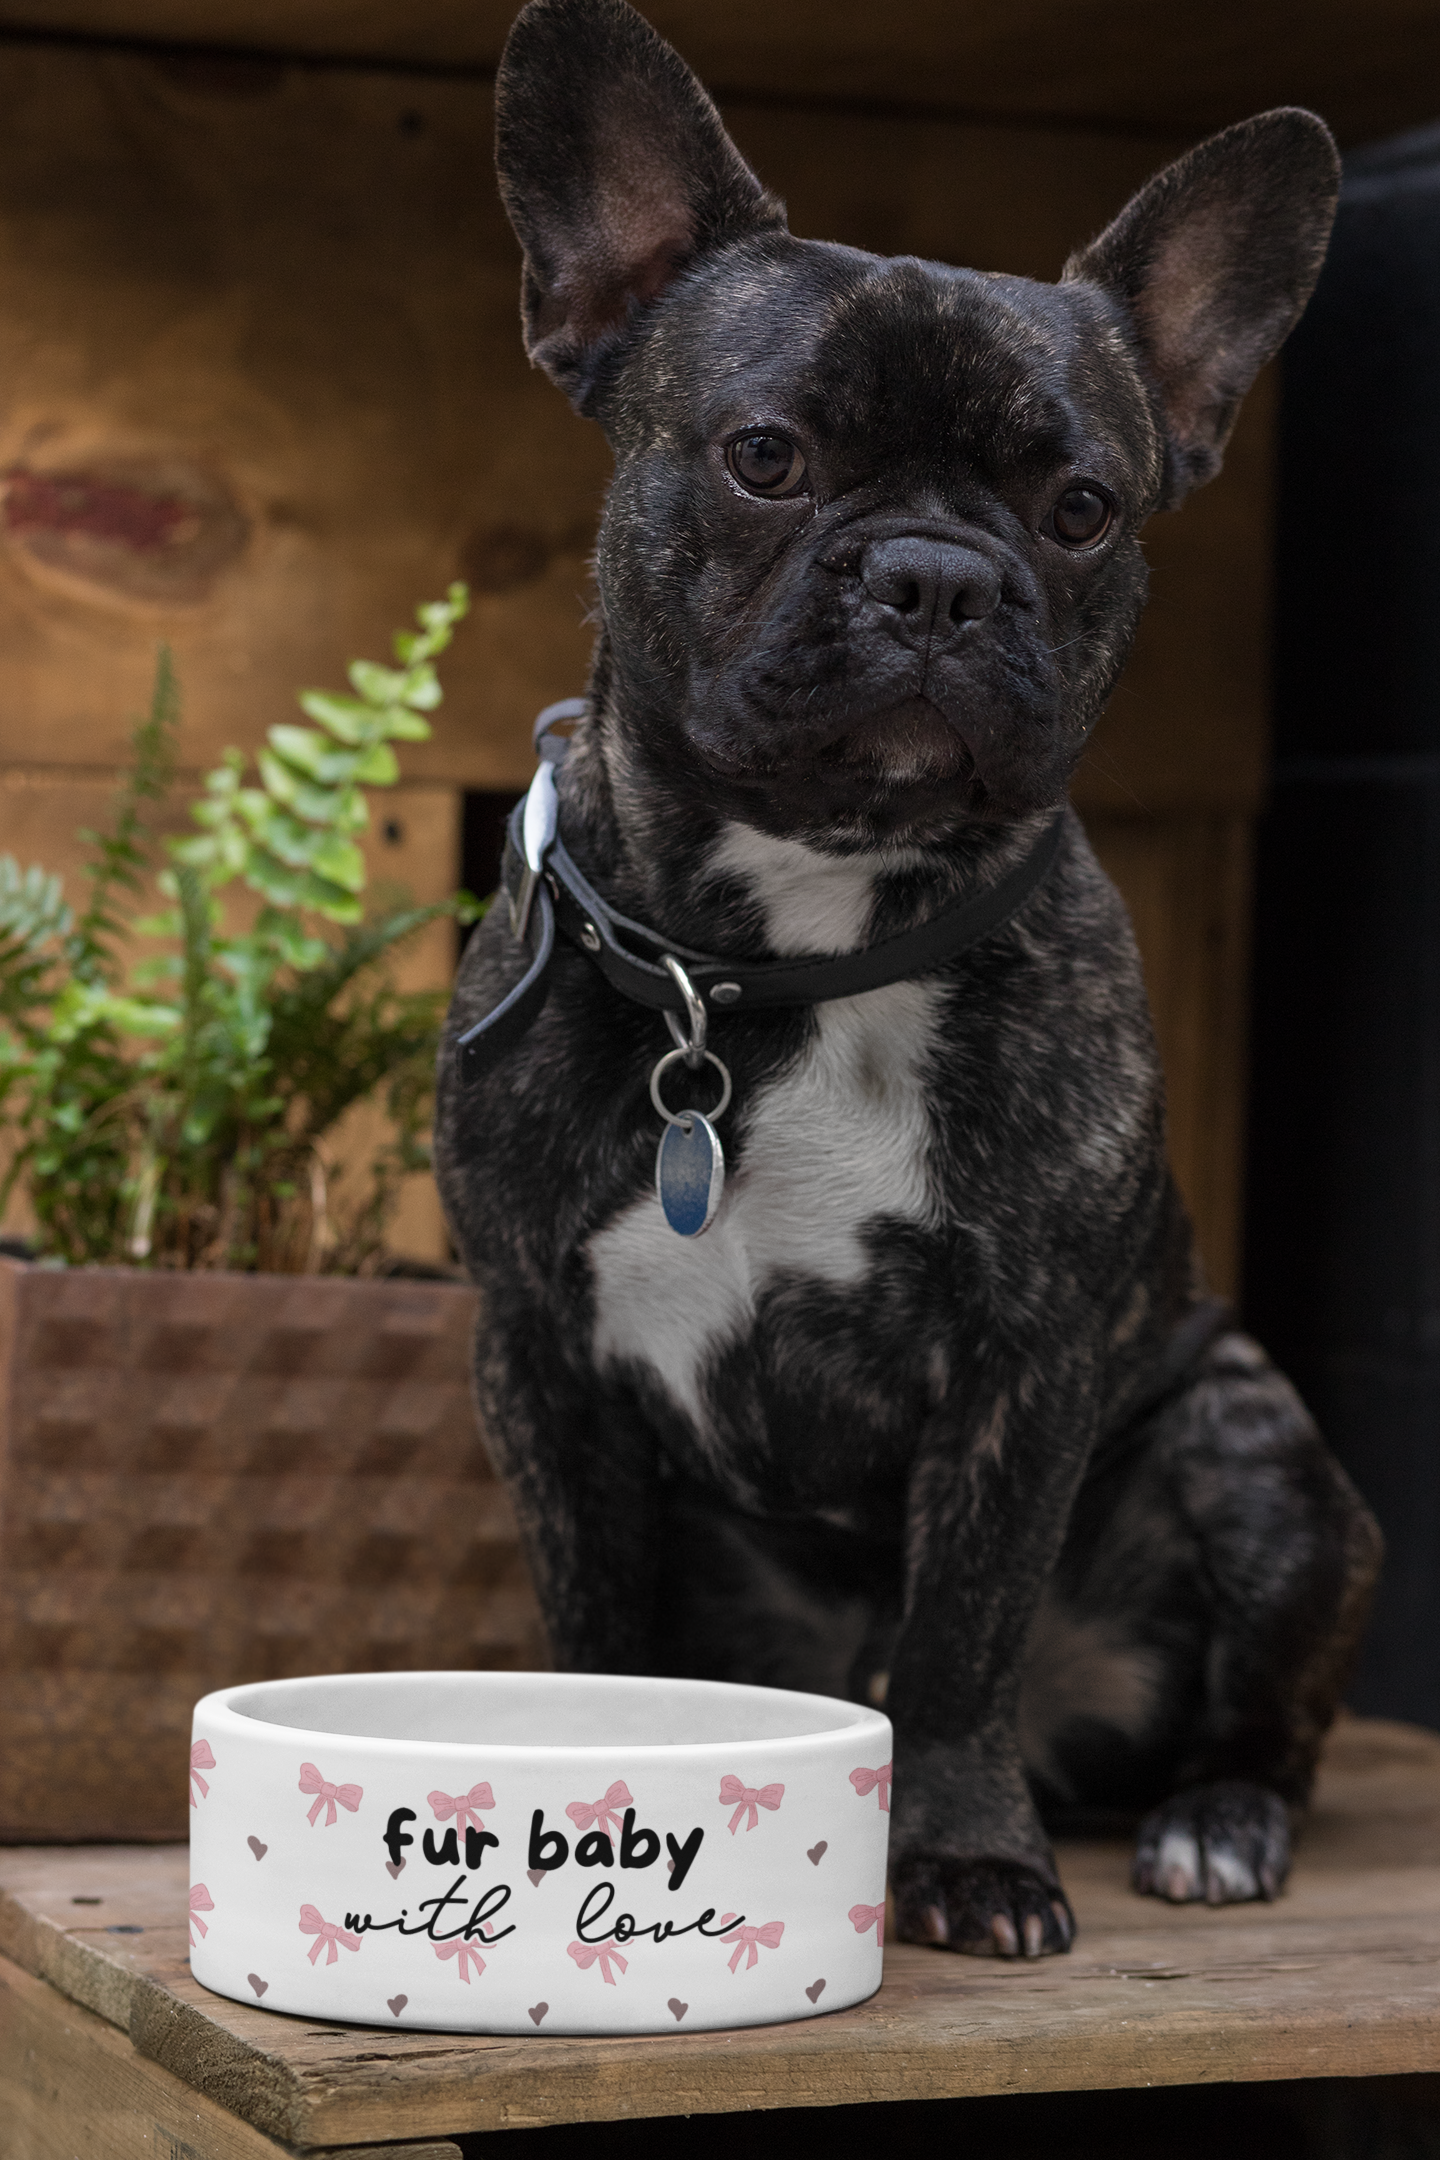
676,2008
816,1991
540,2009
396,2003
392,1869
257,1983
536,1874
257,1848
816,1853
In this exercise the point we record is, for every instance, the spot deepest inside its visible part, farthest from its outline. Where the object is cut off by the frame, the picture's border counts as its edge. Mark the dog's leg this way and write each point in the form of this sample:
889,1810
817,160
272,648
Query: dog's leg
970,1863
1197,1631
580,1465
1288,1554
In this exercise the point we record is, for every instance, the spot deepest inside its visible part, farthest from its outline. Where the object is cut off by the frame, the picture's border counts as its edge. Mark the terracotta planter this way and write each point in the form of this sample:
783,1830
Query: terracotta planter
207,1479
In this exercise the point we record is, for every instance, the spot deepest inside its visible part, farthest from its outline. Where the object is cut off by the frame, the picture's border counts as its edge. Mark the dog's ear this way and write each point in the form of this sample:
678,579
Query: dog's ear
616,171
1215,258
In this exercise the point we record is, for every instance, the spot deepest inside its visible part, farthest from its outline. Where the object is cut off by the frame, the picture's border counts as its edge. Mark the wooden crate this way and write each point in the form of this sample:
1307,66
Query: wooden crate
207,1479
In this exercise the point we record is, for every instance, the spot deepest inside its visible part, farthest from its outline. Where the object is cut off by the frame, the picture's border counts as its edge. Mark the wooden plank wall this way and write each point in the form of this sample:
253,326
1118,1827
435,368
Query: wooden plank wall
261,388
1369,65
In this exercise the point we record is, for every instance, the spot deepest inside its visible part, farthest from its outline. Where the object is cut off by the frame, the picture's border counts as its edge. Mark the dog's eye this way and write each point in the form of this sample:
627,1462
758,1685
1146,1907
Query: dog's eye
1081,517
766,464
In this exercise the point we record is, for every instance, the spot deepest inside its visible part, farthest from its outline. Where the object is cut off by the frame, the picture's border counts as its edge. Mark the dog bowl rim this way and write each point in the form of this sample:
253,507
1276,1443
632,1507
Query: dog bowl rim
852,1719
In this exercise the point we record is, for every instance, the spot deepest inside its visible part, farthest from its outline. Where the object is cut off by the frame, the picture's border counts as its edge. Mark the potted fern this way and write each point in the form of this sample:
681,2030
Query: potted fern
174,1113
231,1446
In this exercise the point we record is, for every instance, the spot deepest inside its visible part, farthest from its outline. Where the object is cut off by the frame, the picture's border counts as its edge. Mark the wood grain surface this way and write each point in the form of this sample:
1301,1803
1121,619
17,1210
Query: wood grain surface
72,2088
1341,1977
300,293
1123,63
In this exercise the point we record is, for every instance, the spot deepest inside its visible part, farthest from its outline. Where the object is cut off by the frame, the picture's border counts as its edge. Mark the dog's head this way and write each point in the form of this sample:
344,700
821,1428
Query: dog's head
870,564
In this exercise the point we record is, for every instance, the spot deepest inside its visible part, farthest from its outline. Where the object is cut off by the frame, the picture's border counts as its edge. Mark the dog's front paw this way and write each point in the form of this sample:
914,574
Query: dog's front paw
989,1908
1225,1843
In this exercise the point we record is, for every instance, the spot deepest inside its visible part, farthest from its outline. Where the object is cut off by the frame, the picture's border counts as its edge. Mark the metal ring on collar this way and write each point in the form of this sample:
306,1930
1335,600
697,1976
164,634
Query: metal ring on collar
674,1057
693,1045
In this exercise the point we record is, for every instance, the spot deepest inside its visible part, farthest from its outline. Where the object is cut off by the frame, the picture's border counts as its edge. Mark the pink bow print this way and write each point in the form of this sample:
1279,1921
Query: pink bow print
327,1933
201,1758
465,1807
734,1794
467,1955
602,1812
585,1954
865,1916
745,1938
865,1781
200,1901
349,1796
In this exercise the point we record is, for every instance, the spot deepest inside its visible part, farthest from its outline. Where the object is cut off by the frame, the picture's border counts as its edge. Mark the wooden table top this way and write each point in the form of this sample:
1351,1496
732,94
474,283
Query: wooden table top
1341,1977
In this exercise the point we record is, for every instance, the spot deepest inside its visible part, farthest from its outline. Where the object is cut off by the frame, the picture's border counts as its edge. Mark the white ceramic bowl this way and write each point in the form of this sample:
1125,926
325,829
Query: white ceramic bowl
506,1852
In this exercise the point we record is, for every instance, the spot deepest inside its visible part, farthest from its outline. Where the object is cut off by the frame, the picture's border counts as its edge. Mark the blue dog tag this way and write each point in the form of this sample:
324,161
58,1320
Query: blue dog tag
690,1174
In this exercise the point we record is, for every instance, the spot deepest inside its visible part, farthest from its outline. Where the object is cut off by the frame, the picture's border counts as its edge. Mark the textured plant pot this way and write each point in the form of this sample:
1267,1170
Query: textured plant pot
507,1852
209,1479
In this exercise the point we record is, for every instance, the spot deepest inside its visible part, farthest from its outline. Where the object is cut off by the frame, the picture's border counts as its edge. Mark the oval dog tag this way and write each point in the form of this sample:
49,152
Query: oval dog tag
690,1174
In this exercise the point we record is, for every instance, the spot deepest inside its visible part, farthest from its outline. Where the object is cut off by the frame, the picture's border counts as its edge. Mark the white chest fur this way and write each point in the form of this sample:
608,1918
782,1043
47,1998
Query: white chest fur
840,1138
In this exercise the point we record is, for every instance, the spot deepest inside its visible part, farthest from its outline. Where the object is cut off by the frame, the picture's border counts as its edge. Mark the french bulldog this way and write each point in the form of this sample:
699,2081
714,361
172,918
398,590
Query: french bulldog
938,1411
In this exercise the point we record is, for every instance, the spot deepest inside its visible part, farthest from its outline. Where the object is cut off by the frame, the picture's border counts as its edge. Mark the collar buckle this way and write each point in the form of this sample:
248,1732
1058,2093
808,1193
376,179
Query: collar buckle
538,826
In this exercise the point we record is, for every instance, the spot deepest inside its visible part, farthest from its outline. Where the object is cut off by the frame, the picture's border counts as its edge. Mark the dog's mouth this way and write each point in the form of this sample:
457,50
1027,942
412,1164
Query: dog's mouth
883,766
893,768
905,745
908,744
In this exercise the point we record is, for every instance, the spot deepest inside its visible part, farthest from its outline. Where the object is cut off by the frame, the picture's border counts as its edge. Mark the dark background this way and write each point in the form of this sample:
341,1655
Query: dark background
1342,1264
1391,2118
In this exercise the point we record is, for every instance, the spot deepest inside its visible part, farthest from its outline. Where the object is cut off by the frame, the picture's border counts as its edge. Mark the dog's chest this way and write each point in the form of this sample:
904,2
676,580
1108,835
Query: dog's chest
837,1144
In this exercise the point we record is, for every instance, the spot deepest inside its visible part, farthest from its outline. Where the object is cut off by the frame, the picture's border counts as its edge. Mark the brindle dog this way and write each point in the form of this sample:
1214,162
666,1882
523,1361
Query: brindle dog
938,1413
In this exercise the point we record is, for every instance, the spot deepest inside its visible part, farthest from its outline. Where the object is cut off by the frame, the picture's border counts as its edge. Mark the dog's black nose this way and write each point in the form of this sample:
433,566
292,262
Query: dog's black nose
930,583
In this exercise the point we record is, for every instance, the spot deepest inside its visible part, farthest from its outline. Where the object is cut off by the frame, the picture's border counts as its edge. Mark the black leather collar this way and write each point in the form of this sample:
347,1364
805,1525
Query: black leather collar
563,897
